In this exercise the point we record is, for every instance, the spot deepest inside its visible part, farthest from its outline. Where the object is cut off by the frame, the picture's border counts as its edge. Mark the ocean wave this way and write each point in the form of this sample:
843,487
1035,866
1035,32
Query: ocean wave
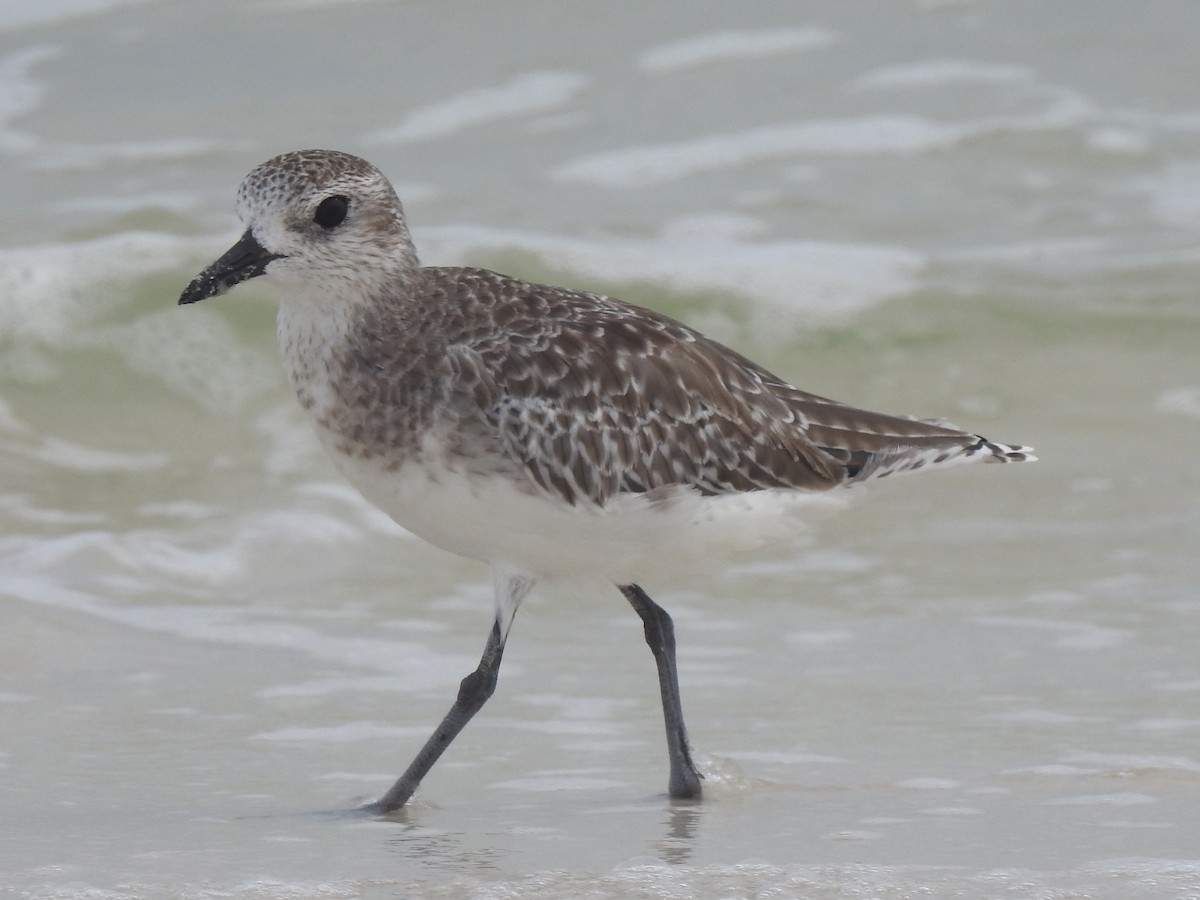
21,95
712,253
1129,878
728,46
52,290
644,165
942,73
73,296
18,14
529,94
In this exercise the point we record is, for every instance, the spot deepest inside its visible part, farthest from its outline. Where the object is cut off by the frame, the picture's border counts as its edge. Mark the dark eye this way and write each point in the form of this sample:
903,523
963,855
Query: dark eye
331,212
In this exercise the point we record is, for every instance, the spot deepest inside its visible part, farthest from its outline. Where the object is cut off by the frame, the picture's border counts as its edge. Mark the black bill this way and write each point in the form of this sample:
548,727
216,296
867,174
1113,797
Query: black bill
244,260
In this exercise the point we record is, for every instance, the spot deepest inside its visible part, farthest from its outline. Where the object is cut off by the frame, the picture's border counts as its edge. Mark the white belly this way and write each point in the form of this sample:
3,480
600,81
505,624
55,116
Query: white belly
501,522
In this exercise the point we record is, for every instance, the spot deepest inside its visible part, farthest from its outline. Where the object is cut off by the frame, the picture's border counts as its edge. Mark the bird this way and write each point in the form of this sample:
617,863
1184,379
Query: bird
547,432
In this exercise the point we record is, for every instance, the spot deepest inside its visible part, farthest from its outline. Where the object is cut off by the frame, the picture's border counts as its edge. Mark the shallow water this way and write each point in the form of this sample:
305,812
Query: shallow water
978,684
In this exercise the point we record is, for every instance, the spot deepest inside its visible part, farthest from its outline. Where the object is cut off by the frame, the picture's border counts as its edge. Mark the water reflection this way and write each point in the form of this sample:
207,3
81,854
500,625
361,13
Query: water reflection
443,851
681,822
487,840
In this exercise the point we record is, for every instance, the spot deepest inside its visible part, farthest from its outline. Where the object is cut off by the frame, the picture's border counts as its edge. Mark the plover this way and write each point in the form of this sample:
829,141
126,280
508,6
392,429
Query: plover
544,431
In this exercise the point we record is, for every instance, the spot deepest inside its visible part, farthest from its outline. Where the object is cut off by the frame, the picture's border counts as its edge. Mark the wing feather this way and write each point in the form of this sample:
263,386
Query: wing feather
599,397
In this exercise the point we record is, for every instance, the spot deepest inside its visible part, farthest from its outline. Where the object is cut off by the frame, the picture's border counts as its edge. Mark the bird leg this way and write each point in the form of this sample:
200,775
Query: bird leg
684,783
473,692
